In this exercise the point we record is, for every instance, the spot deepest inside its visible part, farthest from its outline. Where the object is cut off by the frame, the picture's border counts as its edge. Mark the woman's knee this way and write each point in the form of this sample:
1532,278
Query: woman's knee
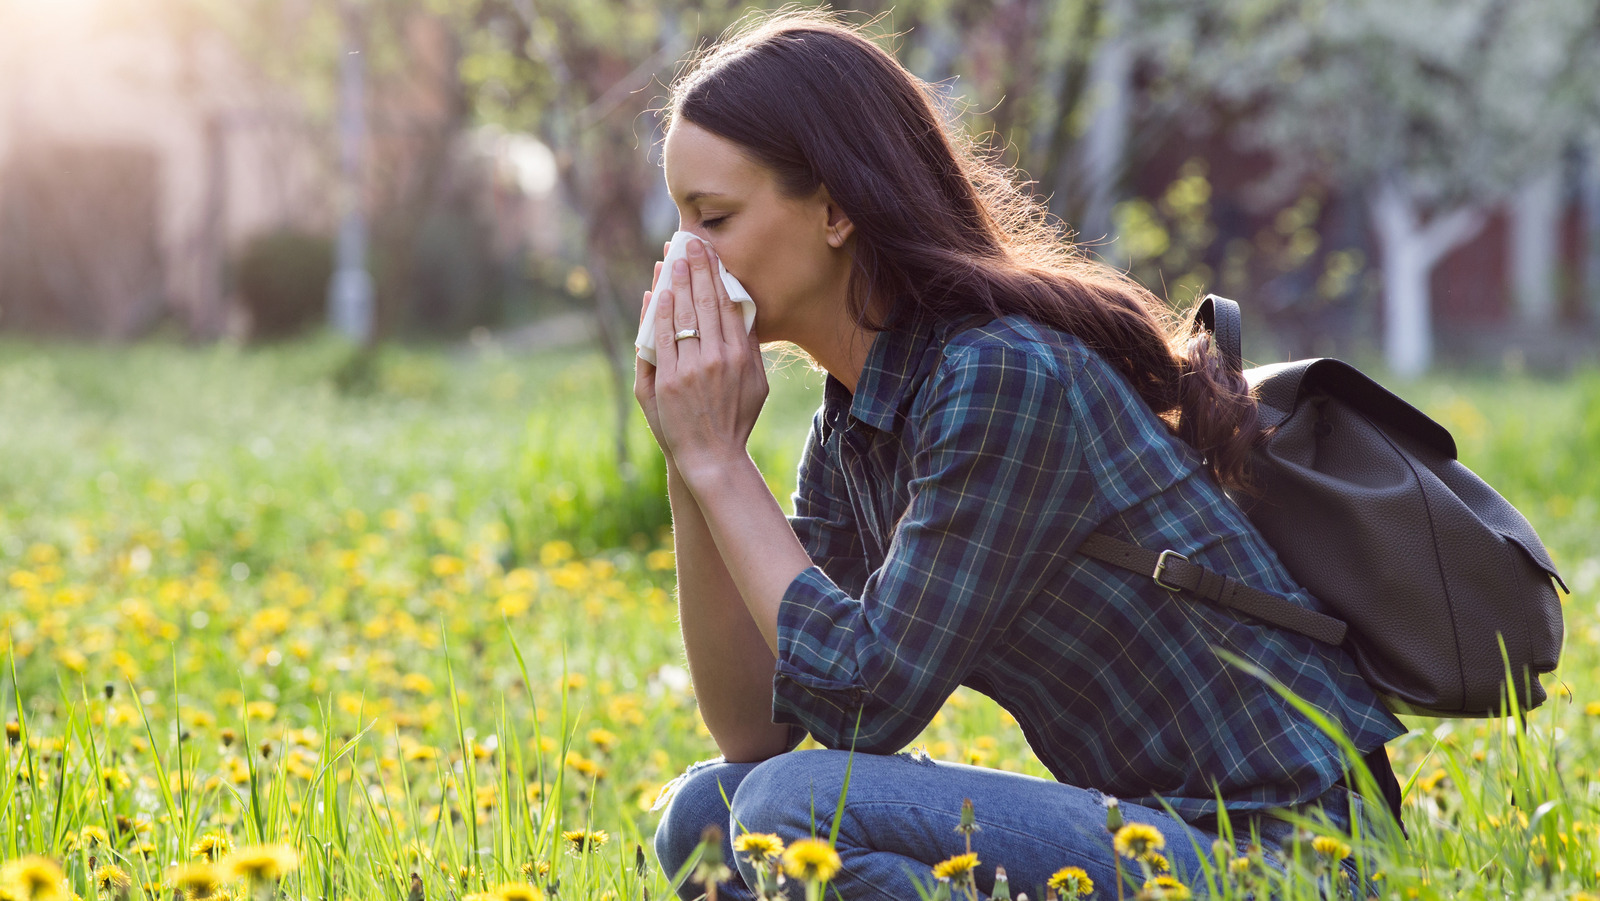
783,794
698,800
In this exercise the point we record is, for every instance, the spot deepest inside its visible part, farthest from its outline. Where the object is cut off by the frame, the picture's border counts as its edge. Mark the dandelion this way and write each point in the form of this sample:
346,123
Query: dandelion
1135,840
811,859
1165,888
1072,882
213,846
13,732
582,840
1158,863
712,870
112,880
1113,814
1330,848
1002,886
262,863
94,836
760,848
198,881
603,739
33,878
957,869
516,891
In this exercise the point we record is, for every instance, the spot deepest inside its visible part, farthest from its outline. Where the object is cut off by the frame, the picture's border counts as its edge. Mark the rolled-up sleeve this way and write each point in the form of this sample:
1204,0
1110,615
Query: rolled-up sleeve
994,498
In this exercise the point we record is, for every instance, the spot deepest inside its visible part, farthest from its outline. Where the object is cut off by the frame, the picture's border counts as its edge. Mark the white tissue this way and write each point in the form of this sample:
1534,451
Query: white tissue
679,250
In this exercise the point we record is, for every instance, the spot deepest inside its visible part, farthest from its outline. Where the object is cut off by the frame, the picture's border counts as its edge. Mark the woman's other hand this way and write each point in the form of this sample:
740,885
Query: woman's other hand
708,390
644,374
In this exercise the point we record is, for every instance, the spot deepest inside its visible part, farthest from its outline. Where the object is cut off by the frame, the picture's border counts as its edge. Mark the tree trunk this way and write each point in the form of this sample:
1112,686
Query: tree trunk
1535,250
1590,188
1106,144
1410,250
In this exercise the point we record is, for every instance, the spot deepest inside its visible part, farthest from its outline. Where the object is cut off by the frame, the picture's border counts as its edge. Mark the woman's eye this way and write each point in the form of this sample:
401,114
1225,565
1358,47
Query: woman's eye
714,222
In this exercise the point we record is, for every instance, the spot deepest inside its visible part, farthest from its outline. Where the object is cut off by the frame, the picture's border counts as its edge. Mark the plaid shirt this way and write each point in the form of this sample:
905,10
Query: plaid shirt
942,509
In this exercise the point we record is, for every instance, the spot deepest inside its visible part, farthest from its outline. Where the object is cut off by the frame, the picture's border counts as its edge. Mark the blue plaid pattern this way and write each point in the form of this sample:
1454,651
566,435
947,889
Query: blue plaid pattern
942,509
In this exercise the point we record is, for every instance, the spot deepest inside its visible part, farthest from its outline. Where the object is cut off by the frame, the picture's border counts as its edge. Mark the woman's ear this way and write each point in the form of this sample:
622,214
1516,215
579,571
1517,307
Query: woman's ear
838,225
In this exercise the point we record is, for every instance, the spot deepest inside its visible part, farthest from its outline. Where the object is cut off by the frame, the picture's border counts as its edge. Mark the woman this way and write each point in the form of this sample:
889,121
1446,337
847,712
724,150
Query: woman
992,399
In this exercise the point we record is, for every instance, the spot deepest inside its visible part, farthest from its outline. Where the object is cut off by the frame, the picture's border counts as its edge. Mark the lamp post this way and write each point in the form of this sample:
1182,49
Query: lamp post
350,306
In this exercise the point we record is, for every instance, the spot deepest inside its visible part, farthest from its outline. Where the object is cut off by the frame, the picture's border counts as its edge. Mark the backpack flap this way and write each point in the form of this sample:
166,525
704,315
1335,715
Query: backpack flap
1362,497
1281,387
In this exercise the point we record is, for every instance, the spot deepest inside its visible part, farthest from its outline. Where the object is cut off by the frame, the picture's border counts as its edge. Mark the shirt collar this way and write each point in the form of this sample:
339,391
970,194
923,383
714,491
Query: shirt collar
897,363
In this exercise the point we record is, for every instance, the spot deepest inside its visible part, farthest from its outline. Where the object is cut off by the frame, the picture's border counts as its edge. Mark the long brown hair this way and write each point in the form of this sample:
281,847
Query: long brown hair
940,230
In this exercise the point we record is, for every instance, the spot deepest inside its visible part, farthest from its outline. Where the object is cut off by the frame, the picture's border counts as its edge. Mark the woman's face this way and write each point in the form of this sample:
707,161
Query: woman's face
789,253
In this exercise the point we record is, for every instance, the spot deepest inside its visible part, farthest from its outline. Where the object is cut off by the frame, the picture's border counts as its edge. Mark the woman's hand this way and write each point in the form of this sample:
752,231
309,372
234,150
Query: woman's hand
644,374
707,390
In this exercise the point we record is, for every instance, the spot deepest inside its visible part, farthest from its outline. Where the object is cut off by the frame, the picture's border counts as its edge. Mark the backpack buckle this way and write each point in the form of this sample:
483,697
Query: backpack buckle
1161,568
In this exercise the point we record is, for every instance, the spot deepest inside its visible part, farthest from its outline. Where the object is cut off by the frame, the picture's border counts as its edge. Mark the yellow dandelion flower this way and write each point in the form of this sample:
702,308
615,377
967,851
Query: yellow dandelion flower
197,881
262,863
957,868
1329,847
517,891
1072,882
416,683
111,879
34,878
1137,839
811,859
604,739
586,839
1166,888
759,847
94,835
1157,863
1240,865
212,846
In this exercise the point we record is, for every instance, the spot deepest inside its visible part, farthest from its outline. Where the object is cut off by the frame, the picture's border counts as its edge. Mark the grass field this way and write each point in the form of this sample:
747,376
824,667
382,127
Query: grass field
405,615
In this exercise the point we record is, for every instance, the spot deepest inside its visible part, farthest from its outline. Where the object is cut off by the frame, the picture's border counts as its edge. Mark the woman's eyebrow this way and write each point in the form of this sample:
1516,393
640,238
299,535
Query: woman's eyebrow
697,196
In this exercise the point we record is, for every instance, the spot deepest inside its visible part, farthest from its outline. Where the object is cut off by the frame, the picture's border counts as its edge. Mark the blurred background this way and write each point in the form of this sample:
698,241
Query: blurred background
1416,179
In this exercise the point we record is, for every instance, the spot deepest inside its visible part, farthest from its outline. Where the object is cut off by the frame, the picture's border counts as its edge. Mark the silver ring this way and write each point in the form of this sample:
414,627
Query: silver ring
685,333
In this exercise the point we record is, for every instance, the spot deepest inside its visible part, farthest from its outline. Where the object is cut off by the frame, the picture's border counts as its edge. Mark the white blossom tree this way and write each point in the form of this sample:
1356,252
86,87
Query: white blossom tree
1436,109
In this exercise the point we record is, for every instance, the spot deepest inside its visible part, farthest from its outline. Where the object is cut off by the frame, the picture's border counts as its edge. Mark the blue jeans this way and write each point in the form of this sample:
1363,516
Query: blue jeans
900,818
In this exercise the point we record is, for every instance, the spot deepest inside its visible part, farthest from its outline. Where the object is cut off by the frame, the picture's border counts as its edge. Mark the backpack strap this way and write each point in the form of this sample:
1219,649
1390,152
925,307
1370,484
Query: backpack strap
1220,316
1174,572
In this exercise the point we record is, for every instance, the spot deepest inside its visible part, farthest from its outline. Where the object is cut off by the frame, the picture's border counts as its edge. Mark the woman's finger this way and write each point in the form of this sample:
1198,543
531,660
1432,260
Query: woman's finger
703,281
683,311
728,312
666,347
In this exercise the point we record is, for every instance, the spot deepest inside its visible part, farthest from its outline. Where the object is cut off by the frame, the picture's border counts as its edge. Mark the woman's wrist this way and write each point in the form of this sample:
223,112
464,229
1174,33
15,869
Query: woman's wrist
709,472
